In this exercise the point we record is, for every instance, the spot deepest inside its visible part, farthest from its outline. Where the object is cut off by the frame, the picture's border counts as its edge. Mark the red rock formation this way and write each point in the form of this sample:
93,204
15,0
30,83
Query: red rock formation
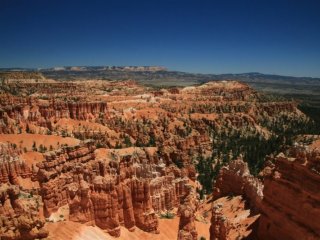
108,193
104,198
187,210
291,204
130,188
11,166
235,179
144,214
17,112
126,213
79,111
18,220
227,90
220,227
231,219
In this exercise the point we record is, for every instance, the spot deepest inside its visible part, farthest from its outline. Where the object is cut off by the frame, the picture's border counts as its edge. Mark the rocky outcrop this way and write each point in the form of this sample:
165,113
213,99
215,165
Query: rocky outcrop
276,107
11,166
9,171
187,210
290,202
231,215
291,205
220,226
73,110
235,179
54,110
232,219
19,215
227,90
16,113
124,190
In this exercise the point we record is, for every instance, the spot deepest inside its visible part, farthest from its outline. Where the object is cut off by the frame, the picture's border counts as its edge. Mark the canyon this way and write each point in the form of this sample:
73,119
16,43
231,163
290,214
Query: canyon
120,160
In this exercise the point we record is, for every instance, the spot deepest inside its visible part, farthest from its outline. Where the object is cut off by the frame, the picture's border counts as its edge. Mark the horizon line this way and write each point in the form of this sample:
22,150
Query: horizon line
164,69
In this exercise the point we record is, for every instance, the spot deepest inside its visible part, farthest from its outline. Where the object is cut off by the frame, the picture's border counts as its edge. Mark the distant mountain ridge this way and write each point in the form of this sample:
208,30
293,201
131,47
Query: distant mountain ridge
154,74
304,89
90,68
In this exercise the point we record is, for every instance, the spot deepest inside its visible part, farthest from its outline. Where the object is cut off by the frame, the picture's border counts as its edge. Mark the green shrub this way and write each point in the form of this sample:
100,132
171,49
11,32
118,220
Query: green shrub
167,215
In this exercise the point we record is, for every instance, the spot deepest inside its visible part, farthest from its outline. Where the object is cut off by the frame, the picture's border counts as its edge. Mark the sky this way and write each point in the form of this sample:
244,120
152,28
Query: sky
268,36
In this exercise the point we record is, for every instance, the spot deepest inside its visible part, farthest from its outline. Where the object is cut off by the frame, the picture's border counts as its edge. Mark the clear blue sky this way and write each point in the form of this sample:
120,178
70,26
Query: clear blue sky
269,36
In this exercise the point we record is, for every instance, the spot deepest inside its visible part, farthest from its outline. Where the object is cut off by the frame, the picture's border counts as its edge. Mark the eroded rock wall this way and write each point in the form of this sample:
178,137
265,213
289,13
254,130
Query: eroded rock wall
235,179
127,191
291,204
187,210
19,216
